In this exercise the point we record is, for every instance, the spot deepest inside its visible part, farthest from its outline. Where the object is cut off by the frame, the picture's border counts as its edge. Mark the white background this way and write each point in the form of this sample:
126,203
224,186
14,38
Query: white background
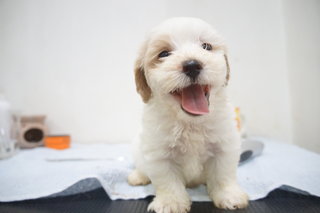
72,60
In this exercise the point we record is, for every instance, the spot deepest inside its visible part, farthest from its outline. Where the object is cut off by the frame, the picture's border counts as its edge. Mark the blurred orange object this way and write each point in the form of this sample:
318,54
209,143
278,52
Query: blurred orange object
57,141
238,118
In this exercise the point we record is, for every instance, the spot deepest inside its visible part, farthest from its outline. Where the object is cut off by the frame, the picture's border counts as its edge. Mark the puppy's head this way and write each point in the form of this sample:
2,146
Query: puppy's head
182,63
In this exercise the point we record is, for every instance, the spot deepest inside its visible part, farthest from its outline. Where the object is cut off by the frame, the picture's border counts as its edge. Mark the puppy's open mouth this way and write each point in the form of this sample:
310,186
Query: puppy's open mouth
194,99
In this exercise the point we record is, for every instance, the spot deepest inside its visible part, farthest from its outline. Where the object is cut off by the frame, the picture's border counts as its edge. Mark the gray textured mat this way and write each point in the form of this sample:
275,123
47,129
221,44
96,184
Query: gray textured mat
97,201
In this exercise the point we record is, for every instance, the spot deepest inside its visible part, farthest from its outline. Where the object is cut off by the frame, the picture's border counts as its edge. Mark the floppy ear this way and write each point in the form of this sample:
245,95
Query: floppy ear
228,70
142,86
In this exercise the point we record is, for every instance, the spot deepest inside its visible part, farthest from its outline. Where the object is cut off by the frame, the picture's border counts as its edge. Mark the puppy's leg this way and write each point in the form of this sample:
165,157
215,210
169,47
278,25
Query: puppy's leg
222,184
138,178
171,194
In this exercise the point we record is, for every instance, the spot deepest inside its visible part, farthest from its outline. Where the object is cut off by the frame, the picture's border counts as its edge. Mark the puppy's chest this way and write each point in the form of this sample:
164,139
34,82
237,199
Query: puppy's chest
190,149
190,144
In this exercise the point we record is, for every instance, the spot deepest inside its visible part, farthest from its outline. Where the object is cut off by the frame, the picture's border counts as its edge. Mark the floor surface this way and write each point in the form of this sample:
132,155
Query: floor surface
97,201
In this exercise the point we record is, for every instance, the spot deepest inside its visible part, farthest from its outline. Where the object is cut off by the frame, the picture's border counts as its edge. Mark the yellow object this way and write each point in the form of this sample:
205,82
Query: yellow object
238,117
57,142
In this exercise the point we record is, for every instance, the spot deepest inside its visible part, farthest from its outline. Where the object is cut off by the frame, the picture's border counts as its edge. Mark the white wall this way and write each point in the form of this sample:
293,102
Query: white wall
302,20
72,60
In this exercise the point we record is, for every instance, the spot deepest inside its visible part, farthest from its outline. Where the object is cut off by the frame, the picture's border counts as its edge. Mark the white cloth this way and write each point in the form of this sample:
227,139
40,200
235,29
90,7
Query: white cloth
43,172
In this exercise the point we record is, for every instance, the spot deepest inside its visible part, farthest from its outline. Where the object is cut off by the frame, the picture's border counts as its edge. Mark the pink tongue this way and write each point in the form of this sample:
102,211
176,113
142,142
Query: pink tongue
194,100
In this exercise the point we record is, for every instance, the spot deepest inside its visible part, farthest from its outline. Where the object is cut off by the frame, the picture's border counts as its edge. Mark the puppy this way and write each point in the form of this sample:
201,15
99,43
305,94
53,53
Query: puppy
189,135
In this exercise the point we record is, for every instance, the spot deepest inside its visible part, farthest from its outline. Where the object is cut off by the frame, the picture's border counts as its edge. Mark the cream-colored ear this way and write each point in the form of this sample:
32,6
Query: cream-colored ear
228,70
141,82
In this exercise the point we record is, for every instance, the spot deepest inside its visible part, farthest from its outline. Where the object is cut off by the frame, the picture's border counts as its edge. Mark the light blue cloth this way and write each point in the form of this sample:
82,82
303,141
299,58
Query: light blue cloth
43,172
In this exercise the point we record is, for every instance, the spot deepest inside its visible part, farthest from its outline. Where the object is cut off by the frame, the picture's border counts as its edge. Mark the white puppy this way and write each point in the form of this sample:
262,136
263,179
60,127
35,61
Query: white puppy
189,135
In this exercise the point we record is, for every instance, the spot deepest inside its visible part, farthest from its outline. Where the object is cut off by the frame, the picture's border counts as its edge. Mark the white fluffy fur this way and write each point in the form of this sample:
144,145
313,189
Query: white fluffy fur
177,150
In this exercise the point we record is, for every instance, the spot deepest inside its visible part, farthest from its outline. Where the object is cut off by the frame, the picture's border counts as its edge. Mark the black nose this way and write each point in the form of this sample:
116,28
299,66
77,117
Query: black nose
192,68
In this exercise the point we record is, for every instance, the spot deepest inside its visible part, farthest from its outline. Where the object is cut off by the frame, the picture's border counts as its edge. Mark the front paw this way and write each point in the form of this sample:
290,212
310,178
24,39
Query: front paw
136,178
232,197
168,204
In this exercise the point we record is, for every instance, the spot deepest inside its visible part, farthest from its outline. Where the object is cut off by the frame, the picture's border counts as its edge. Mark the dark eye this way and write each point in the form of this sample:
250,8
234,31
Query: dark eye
164,53
207,46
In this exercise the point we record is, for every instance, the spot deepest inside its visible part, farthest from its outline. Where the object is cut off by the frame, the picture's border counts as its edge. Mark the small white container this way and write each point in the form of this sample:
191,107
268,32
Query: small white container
8,139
